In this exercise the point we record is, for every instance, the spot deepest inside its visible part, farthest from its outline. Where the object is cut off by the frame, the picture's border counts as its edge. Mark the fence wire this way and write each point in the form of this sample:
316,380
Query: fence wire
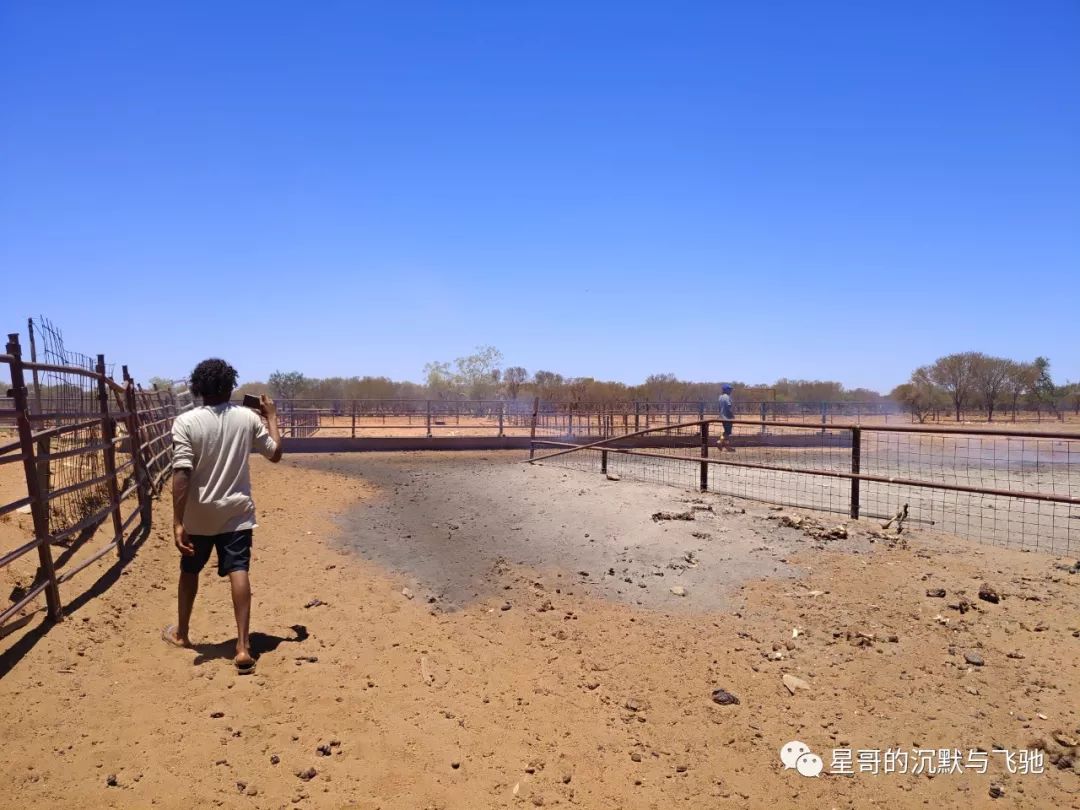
1011,490
62,399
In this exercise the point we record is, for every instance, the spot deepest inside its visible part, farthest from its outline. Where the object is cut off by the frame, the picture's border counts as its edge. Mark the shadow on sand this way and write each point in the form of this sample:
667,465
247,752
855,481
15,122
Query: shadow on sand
260,643
108,578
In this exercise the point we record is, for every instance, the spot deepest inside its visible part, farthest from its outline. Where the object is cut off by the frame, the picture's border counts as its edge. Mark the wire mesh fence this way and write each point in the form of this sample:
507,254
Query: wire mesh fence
92,452
1008,488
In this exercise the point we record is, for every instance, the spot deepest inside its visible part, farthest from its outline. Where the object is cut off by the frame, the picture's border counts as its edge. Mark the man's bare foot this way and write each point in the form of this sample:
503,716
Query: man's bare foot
245,664
170,635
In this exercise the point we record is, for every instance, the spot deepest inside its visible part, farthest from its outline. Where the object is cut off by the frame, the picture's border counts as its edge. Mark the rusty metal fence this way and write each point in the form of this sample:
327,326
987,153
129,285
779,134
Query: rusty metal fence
1010,488
93,452
358,418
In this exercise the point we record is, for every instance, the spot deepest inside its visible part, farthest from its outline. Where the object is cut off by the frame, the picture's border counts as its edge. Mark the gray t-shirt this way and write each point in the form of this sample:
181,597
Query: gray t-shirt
727,410
214,442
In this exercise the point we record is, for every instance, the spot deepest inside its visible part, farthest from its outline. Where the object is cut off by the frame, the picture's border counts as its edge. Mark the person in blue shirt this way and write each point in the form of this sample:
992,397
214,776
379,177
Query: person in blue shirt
727,414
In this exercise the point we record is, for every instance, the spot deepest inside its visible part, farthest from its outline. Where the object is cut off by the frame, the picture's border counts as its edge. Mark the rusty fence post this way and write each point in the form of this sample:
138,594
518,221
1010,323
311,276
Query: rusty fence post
108,435
704,455
142,474
637,416
532,428
39,506
764,409
34,371
603,461
429,418
856,464
502,412
353,433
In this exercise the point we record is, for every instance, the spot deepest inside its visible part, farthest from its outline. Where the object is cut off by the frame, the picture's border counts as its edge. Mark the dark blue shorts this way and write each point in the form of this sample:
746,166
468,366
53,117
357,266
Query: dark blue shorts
233,552
727,428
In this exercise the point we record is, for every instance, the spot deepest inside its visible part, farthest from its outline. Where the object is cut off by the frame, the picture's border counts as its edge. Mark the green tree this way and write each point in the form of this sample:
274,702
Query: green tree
513,378
478,374
990,376
287,384
955,374
919,394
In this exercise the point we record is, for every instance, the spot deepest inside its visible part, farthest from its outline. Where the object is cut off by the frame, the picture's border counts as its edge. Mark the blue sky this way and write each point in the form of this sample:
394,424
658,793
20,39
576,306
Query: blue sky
839,190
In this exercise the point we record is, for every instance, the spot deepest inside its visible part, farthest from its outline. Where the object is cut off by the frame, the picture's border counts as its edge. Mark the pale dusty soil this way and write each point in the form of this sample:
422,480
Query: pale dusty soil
534,698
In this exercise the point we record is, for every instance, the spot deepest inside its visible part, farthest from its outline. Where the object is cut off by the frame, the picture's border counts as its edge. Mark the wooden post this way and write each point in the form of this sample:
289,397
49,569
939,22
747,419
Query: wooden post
856,458
429,418
353,433
603,461
39,507
764,408
637,416
502,412
108,434
704,455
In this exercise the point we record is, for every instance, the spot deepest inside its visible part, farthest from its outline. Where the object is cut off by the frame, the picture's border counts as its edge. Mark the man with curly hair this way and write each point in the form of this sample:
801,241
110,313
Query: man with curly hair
212,505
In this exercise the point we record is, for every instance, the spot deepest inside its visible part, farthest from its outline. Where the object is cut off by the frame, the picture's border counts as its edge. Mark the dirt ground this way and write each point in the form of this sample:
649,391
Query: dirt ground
491,634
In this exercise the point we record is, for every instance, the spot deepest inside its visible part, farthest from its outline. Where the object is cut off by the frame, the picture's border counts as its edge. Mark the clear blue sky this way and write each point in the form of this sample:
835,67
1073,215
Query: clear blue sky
746,191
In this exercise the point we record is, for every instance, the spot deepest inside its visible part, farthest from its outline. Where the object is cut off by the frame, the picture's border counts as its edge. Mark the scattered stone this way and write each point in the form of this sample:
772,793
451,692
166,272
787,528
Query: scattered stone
893,639
216,715
1015,654
988,593
406,593
681,768
613,477
723,697
678,590
111,780
251,791
964,605
455,764
323,750
996,791
505,606
315,603
658,516
307,774
566,777
974,658
635,705
274,759
937,593
794,683
636,757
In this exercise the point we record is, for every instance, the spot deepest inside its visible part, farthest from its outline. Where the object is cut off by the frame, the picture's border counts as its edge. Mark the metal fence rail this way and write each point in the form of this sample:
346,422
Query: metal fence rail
355,418
1010,488
93,458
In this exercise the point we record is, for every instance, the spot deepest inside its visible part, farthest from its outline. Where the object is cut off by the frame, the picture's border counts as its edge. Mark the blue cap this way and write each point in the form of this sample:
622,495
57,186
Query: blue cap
726,388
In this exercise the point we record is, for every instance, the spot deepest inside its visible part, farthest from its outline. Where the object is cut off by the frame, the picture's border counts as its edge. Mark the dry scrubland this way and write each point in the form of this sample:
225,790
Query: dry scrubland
463,631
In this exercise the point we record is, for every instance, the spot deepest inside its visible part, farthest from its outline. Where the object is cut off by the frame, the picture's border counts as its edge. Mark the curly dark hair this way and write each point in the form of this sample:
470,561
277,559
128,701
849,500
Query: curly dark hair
213,379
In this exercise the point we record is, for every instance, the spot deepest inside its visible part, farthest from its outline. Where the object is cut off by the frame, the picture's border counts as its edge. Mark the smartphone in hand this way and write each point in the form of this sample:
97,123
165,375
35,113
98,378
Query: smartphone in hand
253,402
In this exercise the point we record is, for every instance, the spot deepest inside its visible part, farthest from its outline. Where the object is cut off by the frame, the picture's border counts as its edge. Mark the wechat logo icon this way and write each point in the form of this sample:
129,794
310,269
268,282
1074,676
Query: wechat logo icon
798,755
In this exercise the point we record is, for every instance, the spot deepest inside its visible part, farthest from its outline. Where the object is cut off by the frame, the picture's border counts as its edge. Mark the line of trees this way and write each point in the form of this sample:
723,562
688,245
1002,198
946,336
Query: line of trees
967,380
483,375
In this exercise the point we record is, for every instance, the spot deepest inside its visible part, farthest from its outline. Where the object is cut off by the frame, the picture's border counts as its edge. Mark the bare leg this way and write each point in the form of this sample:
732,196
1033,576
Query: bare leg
186,591
241,599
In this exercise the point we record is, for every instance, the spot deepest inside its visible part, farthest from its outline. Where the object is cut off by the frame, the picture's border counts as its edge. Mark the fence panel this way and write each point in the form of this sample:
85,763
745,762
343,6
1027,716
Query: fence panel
93,451
1008,488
